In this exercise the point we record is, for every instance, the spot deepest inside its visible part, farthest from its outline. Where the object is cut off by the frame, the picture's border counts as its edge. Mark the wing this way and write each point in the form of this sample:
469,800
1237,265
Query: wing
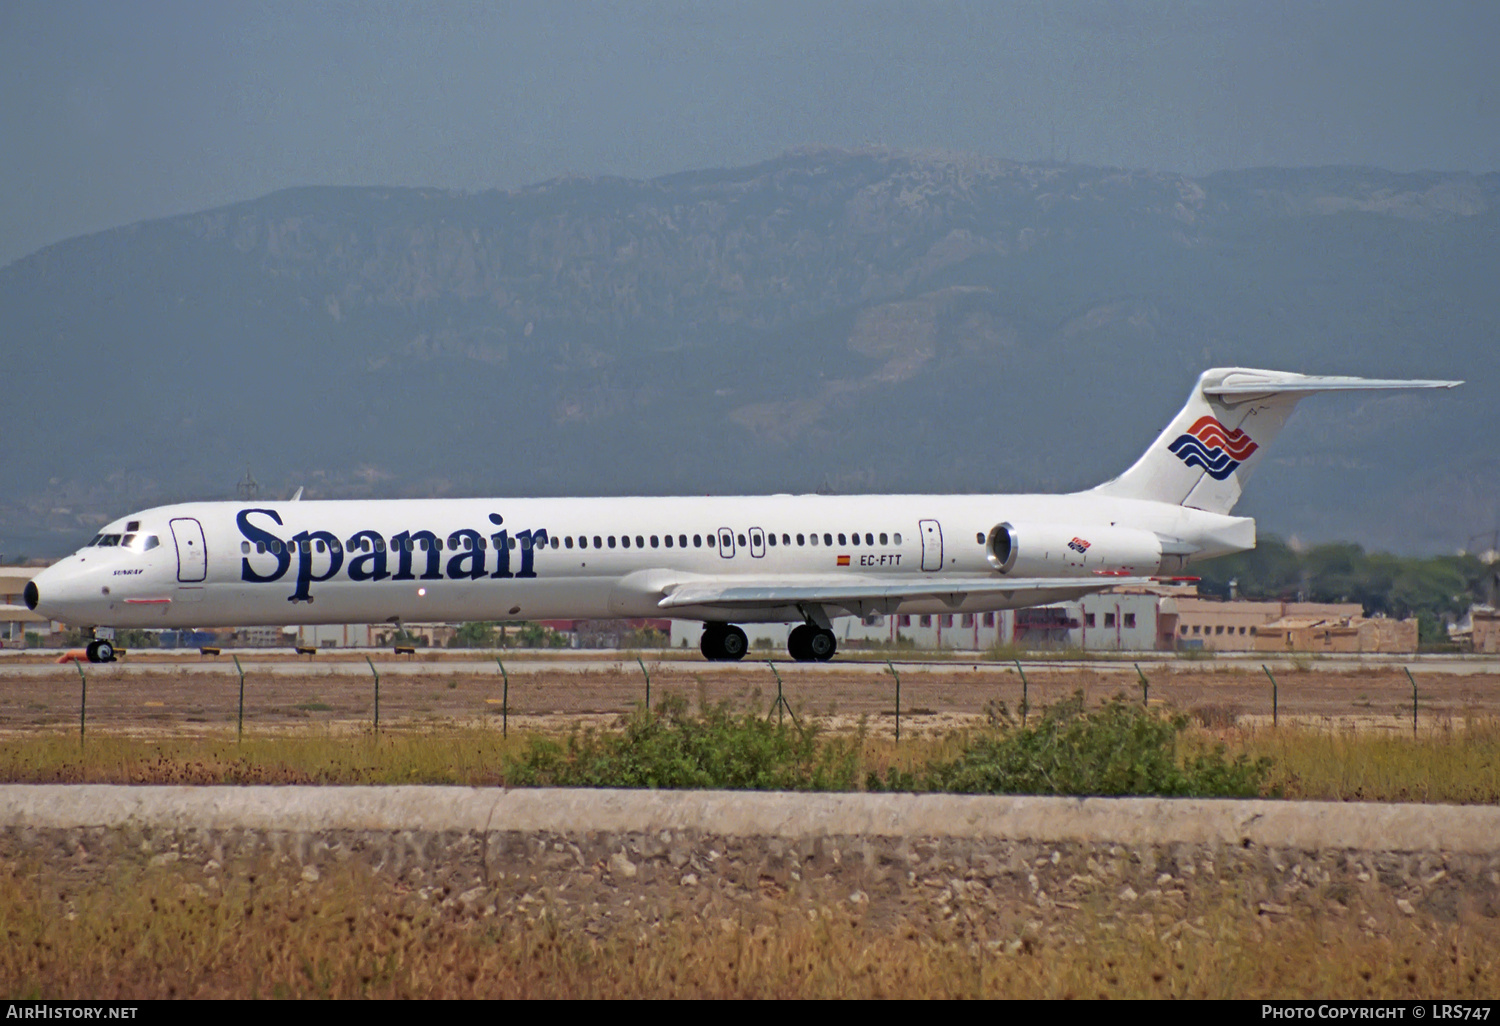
950,590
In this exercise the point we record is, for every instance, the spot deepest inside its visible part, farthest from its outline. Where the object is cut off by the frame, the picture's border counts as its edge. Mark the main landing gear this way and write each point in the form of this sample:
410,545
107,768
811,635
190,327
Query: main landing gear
723,642
809,644
100,651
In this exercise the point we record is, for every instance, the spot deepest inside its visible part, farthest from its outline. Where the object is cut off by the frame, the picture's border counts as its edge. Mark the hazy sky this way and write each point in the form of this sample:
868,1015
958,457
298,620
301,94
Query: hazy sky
112,112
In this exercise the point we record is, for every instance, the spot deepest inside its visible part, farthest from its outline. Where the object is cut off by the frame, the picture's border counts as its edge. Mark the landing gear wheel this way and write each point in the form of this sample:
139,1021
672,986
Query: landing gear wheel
713,633
100,652
799,643
723,642
733,645
822,644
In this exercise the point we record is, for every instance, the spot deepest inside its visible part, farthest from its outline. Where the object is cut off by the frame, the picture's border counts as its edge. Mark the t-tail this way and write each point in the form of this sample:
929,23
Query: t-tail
1206,454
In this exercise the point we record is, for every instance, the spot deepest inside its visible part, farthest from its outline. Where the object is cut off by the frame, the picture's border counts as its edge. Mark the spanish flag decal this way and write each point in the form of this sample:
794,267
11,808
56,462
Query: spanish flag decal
843,561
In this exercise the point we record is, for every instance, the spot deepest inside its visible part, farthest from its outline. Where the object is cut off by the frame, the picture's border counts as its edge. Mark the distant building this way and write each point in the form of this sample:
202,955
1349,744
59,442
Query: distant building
1337,634
16,621
1479,630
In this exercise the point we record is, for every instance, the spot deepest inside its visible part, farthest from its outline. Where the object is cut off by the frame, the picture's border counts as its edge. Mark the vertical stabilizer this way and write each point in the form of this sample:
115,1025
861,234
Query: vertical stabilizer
1206,454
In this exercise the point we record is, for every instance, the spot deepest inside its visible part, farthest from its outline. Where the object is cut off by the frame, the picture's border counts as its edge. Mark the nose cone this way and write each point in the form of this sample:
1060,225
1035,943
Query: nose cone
60,592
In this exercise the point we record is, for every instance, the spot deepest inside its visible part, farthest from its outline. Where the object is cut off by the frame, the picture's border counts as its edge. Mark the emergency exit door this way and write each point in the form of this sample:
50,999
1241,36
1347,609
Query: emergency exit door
932,544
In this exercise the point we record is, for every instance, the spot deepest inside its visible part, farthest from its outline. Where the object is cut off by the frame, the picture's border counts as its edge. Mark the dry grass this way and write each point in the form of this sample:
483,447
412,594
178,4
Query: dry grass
467,757
150,934
1457,763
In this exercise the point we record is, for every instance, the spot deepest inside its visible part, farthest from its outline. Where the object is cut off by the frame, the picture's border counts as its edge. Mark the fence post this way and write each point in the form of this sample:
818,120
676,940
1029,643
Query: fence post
898,698
648,682
782,707
1263,666
240,735
377,692
1413,702
504,700
83,698
1024,704
1145,687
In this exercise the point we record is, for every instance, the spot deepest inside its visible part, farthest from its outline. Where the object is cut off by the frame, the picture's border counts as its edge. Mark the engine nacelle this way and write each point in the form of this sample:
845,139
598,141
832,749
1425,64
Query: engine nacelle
1060,550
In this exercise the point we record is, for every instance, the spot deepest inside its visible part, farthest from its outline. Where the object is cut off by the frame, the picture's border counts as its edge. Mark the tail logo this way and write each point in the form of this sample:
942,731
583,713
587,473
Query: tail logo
1208,445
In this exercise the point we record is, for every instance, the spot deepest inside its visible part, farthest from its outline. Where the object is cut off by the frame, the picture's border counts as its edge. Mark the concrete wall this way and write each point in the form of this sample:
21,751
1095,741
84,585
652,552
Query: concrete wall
618,858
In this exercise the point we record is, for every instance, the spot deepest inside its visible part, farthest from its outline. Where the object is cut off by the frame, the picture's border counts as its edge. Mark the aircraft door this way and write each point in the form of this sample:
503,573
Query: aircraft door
932,544
726,543
757,542
192,551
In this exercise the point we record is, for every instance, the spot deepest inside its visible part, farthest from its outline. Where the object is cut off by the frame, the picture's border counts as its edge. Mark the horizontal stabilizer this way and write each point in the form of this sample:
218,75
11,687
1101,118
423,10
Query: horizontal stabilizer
1252,383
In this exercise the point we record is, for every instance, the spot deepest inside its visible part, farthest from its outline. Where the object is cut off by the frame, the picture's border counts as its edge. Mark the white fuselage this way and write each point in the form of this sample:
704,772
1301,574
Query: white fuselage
281,563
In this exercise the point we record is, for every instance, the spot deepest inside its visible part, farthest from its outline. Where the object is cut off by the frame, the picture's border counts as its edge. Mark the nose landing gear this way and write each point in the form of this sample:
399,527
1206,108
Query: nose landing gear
101,651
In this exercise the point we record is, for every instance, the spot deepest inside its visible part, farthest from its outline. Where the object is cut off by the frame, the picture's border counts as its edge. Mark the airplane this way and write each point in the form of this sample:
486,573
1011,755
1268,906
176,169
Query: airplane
721,560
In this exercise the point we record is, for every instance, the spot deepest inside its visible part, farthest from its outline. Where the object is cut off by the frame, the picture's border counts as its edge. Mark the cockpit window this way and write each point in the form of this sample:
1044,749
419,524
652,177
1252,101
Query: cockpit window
133,526
97,539
151,541
109,541
126,541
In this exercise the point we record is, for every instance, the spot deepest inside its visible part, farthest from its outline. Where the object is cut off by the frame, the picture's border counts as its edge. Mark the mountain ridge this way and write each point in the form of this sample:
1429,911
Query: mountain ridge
868,321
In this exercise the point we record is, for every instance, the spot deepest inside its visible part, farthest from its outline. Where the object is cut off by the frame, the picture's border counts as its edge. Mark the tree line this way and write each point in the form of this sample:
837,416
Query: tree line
1435,589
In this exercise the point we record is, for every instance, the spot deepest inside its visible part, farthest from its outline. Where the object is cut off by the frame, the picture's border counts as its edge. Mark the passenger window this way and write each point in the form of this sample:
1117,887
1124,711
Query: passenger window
682,541
697,541
320,546
770,539
655,540
599,546
625,541
883,538
869,538
555,543
640,542
260,546
898,538
667,539
741,540
568,541
245,548
713,540
800,539
827,538
786,539
812,539
611,541
510,544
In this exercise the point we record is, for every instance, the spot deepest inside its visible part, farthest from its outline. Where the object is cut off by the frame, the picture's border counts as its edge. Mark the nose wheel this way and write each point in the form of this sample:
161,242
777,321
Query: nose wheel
100,652
809,644
723,642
